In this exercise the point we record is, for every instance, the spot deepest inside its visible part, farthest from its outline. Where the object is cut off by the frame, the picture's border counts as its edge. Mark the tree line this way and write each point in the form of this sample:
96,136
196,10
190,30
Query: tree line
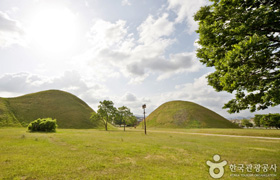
107,113
263,120
267,120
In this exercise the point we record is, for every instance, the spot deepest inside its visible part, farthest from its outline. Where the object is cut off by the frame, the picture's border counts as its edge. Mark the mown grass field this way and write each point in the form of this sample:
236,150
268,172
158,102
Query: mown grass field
97,154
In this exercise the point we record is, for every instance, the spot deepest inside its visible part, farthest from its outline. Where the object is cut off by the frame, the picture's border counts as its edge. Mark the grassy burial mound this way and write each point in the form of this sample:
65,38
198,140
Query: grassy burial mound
184,114
7,117
67,109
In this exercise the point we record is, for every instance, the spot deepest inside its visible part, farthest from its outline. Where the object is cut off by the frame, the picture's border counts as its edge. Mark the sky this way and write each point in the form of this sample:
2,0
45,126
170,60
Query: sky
131,52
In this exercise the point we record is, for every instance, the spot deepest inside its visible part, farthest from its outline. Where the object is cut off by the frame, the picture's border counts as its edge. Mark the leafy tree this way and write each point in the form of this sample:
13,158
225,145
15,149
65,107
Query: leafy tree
271,120
125,114
118,119
257,120
105,113
246,123
132,121
240,39
97,119
266,121
274,119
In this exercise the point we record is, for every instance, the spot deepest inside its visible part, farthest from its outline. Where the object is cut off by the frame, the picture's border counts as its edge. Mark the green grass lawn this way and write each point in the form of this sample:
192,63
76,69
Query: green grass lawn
239,132
97,154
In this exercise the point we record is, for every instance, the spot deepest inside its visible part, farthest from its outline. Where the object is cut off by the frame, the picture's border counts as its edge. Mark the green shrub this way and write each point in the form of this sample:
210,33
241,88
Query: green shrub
45,125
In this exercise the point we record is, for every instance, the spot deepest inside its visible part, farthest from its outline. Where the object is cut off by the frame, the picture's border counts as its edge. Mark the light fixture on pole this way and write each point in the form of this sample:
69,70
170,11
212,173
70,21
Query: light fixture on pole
144,106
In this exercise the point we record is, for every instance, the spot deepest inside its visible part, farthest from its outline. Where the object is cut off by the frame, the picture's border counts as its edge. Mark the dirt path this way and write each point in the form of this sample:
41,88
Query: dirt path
222,135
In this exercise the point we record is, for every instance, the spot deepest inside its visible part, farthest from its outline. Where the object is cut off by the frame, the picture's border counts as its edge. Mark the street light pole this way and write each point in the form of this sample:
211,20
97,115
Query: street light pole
144,106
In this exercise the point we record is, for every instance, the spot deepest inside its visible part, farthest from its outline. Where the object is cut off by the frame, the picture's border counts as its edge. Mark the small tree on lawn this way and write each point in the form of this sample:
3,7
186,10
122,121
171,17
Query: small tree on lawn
105,112
125,114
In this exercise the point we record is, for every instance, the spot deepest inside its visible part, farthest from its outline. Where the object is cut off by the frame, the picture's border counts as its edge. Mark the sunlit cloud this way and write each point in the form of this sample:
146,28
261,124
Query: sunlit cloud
53,30
185,11
11,31
137,56
141,52
126,3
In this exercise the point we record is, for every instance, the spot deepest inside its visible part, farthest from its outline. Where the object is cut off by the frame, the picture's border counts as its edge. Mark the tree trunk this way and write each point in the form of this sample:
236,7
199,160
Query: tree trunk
124,126
106,124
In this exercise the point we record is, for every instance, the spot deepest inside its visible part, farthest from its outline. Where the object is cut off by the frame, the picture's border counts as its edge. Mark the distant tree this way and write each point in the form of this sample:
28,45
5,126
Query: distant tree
125,114
118,119
257,120
132,121
274,120
105,113
240,39
246,123
270,120
265,121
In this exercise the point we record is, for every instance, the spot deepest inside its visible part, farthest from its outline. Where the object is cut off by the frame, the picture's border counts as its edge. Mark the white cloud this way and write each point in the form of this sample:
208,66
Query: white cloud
136,58
176,63
11,31
105,34
25,83
198,92
185,11
126,3
129,97
153,29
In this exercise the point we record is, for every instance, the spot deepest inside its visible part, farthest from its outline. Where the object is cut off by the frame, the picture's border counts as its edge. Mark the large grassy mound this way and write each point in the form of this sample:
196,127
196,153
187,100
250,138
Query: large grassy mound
183,114
67,109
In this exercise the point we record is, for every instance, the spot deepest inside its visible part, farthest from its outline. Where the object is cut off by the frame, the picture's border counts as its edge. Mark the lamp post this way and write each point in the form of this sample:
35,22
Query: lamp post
144,106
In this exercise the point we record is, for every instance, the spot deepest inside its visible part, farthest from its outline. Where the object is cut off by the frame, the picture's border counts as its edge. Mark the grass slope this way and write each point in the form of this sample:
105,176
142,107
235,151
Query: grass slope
7,117
184,114
67,109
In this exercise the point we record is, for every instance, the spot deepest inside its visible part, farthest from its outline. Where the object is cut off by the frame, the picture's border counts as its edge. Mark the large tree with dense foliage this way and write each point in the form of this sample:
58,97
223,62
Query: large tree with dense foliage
241,40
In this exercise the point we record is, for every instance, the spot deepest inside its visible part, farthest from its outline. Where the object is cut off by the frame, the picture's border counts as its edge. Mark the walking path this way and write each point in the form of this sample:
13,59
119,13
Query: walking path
222,135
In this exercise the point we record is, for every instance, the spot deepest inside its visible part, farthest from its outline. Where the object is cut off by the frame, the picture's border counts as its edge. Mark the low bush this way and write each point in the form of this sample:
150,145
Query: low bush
45,125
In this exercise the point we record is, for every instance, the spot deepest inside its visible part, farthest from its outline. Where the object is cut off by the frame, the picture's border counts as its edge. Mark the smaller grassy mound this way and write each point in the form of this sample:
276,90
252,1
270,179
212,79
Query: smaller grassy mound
184,114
